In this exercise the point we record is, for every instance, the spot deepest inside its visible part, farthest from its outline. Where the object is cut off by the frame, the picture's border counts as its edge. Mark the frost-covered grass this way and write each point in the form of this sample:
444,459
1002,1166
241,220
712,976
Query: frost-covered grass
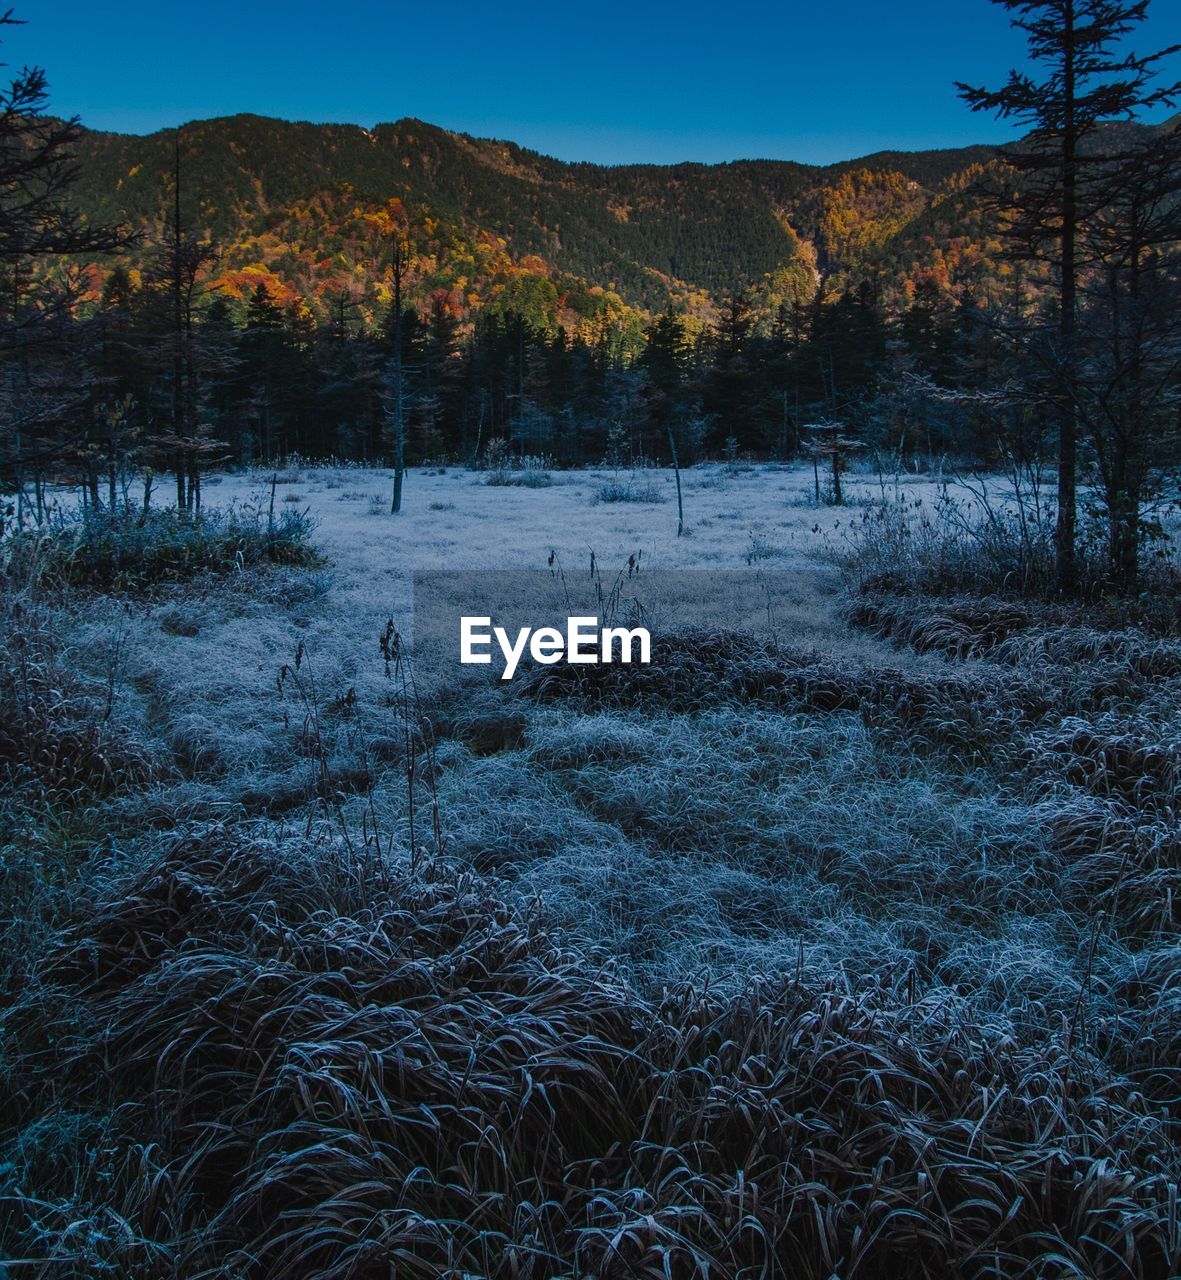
353,1069
357,1070
635,489
818,804
129,549
847,945
979,543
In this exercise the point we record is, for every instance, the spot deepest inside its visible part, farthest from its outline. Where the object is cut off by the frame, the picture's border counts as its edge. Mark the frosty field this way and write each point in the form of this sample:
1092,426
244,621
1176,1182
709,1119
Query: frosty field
766,835
751,517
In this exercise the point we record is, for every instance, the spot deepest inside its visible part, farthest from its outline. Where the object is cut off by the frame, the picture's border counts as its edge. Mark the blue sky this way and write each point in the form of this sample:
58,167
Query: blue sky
611,82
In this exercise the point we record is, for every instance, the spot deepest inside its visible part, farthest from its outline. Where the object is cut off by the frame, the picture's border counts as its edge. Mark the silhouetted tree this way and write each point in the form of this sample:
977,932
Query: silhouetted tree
39,397
1057,169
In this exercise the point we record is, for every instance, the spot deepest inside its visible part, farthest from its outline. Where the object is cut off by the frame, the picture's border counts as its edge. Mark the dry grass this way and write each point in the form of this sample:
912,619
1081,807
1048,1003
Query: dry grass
59,735
1107,737
961,713
310,1065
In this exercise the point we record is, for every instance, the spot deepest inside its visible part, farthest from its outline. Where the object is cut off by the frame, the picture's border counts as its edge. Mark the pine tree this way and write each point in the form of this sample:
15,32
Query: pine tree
39,408
1058,168
262,360
664,362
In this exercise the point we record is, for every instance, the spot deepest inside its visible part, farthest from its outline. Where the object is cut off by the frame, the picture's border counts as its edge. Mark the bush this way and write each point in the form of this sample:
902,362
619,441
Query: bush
647,491
128,551
761,548
977,547
501,468
946,548
528,472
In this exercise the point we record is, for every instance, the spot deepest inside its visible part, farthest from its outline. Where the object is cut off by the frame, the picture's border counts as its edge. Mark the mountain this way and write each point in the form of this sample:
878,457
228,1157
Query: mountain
299,207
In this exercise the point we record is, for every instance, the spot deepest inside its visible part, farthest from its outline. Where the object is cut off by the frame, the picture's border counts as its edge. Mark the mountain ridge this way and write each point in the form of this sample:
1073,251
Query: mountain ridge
493,140
294,206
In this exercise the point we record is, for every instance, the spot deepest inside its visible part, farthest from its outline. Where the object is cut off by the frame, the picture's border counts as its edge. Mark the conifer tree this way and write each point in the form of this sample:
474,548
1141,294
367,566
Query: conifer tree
38,223
1058,171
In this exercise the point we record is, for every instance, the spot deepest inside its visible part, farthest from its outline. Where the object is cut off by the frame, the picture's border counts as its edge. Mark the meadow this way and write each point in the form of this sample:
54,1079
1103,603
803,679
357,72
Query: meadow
841,942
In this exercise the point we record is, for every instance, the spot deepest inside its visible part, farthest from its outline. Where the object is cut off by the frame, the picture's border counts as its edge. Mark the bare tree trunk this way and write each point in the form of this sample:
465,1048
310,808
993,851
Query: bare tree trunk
399,414
143,515
1131,444
672,446
178,395
20,484
1065,528
479,430
399,462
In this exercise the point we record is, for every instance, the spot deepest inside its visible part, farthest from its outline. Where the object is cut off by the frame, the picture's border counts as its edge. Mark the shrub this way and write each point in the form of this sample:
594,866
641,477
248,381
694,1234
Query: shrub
1005,548
129,551
946,548
647,491
528,472
501,468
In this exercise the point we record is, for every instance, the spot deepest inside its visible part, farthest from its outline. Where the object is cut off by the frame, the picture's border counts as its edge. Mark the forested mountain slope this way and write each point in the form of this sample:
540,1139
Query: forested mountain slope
287,204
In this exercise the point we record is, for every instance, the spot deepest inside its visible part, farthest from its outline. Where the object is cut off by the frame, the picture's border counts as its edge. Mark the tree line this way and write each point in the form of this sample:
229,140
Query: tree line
1075,365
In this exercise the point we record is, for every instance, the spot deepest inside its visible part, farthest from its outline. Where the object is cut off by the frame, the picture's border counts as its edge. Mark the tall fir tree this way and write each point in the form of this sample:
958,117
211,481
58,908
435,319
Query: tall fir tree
1086,82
